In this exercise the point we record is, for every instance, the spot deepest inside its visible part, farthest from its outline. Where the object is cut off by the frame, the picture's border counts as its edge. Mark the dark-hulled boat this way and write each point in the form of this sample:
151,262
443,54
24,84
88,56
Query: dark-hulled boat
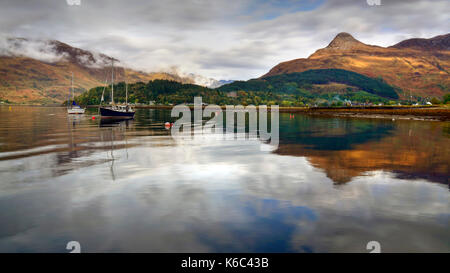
116,111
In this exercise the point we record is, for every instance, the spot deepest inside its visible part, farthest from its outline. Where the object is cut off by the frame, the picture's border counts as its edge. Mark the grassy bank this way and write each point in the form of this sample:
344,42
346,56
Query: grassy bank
401,112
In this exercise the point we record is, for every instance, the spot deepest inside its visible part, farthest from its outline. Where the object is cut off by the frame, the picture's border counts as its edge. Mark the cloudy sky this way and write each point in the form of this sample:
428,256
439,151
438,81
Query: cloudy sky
222,39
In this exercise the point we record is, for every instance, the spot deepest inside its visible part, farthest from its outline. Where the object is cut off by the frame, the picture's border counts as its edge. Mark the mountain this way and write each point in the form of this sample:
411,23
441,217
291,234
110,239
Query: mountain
223,82
39,71
419,67
206,82
441,42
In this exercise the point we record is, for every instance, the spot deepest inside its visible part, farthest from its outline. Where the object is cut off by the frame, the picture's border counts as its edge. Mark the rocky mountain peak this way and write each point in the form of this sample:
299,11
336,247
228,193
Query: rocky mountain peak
343,41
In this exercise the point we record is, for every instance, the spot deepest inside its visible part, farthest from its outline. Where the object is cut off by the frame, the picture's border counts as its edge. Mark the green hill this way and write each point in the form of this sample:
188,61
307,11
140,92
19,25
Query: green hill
293,82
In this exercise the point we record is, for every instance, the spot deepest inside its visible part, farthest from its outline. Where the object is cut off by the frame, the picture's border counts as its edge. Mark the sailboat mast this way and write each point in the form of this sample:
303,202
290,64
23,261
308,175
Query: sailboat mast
126,88
73,94
68,97
112,81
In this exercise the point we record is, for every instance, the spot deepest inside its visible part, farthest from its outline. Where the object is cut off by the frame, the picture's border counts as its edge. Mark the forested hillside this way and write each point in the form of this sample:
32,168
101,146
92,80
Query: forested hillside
293,82
315,87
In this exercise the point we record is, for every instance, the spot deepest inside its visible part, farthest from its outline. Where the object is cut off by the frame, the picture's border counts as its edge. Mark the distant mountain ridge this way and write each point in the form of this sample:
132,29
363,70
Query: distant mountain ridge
39,71
441,42
419,67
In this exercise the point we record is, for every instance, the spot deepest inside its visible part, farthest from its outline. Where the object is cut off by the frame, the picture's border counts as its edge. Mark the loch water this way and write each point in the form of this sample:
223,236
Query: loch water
332,185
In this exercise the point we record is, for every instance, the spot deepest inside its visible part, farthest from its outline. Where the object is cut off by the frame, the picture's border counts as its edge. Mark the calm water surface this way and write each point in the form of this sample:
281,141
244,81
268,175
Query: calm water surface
332,185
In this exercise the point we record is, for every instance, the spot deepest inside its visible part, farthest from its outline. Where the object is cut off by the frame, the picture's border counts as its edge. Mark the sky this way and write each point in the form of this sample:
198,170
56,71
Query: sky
220,39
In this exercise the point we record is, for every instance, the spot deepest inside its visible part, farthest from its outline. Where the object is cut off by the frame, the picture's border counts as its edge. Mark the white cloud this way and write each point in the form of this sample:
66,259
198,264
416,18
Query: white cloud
219,39
37,49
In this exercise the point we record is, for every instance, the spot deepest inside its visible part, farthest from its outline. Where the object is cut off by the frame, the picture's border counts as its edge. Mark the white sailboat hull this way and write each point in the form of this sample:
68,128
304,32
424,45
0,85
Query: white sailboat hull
74,111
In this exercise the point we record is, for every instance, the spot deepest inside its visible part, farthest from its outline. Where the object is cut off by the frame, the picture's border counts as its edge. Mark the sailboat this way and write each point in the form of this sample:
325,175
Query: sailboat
116,111
73,108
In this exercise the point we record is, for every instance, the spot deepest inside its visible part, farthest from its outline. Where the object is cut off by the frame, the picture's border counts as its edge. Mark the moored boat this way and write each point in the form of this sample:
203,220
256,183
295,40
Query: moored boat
116,111
74,108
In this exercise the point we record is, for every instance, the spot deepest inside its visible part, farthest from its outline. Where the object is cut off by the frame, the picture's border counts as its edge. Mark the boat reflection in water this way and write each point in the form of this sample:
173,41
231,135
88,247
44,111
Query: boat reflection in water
106,122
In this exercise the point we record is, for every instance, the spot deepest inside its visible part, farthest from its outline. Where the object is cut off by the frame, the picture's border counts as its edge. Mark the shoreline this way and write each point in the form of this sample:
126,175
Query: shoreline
441,113
399,112
436,113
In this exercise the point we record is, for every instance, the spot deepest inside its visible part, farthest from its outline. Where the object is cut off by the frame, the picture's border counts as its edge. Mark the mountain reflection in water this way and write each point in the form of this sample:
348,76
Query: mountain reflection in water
345,148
